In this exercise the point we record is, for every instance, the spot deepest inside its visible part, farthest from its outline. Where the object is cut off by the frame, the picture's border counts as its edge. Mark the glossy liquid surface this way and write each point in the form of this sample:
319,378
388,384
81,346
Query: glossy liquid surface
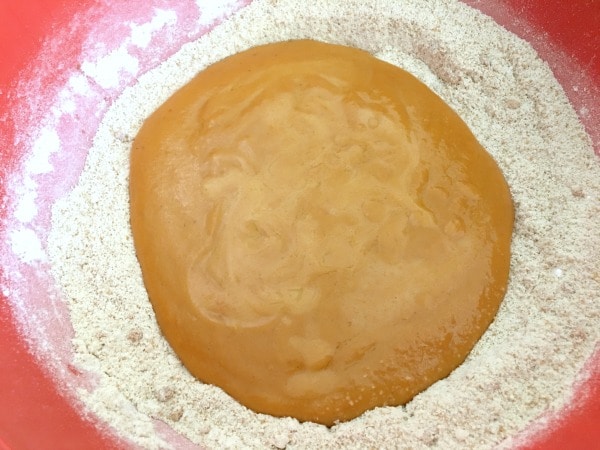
318,232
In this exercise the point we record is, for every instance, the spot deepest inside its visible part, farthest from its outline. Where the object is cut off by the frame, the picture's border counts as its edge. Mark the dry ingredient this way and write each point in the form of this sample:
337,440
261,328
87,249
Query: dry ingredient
523,366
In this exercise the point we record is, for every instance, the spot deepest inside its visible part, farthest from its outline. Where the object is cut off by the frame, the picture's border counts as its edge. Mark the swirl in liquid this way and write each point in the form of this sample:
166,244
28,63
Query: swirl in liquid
318,232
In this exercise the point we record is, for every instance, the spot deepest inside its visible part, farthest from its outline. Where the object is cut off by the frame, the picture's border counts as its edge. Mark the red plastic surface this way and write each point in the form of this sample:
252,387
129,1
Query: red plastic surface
35,415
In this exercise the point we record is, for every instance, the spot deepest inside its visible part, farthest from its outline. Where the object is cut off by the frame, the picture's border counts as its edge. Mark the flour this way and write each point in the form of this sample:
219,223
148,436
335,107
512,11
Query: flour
524,365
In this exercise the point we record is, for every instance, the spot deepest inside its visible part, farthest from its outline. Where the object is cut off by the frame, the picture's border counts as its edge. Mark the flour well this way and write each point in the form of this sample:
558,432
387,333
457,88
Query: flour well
523,366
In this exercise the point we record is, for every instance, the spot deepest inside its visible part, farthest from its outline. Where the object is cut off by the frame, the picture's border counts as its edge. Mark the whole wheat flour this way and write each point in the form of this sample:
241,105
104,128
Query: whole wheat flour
524,365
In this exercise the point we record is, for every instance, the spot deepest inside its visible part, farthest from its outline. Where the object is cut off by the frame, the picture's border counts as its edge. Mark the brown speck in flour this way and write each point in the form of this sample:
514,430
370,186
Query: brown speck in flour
512,103
164,394
176,414
135,336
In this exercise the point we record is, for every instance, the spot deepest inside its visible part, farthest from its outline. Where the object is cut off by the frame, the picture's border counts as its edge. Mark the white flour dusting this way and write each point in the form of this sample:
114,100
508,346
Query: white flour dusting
523,366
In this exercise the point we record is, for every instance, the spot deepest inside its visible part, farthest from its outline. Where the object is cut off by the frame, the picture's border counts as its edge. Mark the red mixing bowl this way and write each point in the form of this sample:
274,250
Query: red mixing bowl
34,414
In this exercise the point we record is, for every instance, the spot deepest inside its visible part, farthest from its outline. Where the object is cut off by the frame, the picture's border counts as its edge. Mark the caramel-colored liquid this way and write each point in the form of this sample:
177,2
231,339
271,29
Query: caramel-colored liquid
318,232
